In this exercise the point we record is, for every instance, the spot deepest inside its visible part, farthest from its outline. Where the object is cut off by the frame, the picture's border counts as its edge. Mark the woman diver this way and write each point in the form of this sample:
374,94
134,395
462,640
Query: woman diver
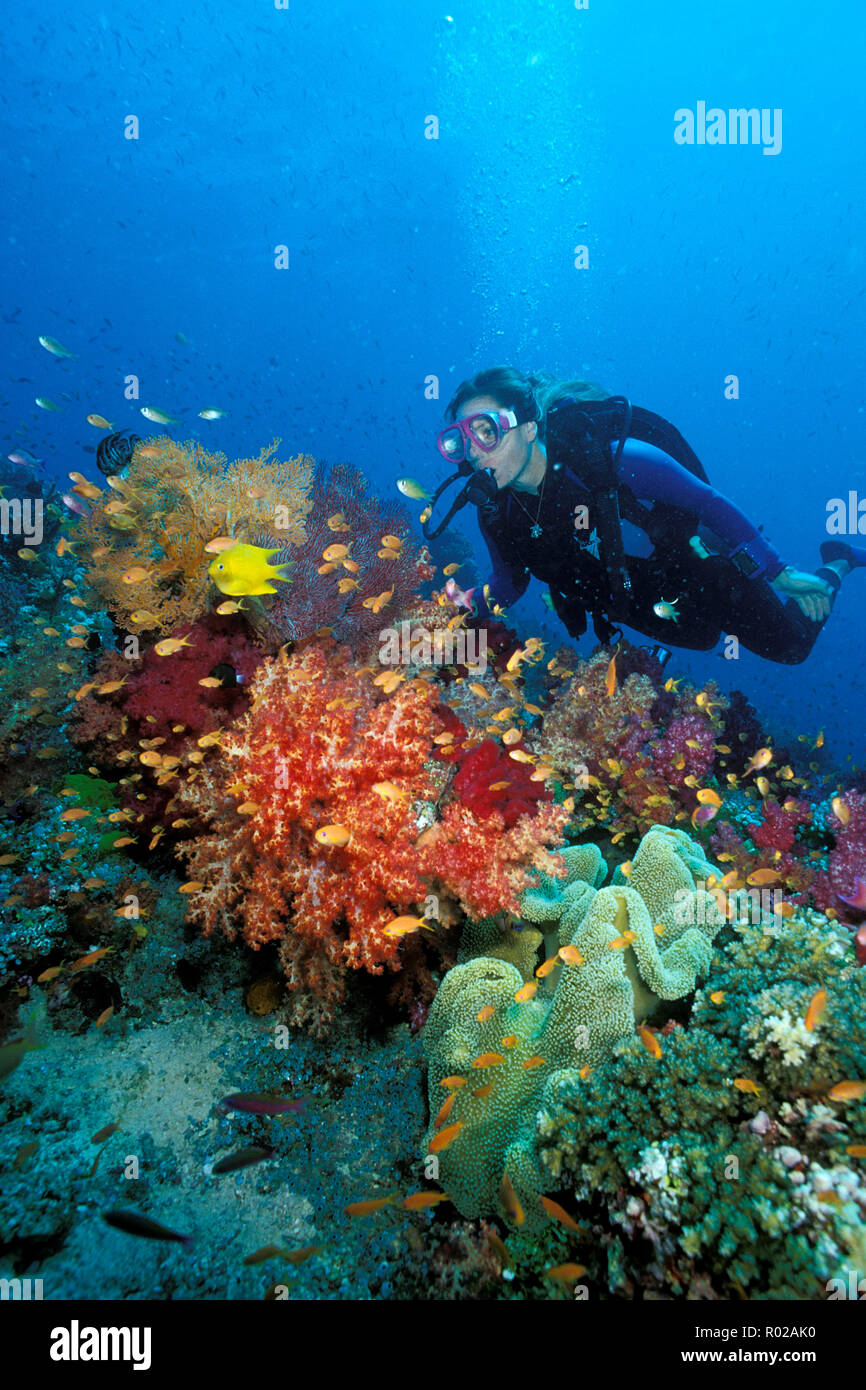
566,478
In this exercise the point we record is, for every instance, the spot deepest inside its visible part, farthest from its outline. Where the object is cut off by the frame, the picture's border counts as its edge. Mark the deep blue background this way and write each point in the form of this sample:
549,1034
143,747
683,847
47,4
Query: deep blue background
412,257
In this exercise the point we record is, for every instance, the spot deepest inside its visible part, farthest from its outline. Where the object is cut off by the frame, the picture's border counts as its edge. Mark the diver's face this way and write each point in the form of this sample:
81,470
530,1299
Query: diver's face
513,451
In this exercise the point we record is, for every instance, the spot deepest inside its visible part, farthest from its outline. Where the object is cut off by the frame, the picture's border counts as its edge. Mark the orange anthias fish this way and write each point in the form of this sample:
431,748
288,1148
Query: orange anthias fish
650,1041
570,955
419,1201
445,1110
510,1201
565,1274
405,926
334,836
169,645
848,1090
762,877
760,759
610,678
558,1213
366,1208
815,1010
84,961
840,810
743,1083
445,1138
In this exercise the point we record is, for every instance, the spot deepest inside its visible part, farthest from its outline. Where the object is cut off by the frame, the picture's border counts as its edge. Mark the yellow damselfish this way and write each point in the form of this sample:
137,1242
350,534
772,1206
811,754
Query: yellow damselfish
244,569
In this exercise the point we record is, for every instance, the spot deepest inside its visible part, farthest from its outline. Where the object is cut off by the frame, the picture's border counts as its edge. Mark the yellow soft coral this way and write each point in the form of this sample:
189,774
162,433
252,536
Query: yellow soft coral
159,517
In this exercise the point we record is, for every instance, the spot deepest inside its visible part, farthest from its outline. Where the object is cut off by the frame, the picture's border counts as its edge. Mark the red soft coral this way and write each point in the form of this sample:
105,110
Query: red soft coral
160,692
168,690
484,865
478,784
778,829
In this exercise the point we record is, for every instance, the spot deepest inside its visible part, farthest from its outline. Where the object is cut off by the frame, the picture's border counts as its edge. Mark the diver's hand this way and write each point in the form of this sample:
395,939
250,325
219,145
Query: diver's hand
811,593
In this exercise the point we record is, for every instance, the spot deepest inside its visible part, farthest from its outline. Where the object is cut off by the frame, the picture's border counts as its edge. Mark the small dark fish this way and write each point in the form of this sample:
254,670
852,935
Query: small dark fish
105,1133
260,1103
242,1158
114,452
12,1053
266,1252
226,675
134,1223
26,1151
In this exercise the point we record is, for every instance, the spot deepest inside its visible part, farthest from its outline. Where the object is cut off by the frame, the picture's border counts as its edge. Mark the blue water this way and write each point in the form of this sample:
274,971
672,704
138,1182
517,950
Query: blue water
412,257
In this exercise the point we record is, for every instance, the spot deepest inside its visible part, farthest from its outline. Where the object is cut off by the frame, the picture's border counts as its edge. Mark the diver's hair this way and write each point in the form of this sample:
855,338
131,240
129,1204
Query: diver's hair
529,396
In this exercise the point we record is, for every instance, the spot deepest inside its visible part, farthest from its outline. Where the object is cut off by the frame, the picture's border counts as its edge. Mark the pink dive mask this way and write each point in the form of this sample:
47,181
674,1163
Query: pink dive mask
485,429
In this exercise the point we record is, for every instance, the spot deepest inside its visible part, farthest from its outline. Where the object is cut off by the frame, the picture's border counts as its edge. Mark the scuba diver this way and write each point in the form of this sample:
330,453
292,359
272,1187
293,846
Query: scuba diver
566,478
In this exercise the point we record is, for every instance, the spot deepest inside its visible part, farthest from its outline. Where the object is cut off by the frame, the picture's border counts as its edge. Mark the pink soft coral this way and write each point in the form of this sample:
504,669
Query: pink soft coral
847,860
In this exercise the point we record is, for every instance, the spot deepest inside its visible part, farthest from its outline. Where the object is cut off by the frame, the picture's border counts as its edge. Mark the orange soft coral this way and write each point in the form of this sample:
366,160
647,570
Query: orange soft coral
322,746
158,518
486,866
307,755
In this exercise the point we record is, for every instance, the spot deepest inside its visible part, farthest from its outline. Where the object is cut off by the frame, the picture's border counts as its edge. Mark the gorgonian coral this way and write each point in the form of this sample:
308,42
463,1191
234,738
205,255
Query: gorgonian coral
158,518
356,600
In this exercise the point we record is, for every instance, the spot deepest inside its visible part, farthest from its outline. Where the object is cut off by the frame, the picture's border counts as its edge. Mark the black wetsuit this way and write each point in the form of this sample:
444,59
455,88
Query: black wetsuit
712,596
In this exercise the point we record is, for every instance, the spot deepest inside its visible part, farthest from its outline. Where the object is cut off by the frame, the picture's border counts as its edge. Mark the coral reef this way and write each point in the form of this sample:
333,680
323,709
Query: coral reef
485,1023
675,1049
321,746
171,501
328,594
723,1163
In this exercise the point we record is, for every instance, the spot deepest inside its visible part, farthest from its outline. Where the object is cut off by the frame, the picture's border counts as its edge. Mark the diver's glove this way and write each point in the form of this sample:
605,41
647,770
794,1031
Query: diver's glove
808,590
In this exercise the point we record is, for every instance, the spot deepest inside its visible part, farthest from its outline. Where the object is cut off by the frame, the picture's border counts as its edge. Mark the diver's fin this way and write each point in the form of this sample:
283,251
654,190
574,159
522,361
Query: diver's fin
840,550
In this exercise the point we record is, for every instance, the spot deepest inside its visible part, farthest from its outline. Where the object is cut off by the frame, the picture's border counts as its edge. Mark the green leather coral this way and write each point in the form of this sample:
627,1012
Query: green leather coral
645,939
